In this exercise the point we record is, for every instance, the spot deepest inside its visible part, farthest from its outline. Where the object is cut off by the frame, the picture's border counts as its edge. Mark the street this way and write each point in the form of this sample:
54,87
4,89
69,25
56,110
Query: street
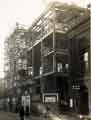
7,116
46,61
13,116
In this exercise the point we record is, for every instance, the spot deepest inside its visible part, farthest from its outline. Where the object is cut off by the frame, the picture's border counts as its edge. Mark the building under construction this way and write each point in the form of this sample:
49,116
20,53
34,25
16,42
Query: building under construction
57,58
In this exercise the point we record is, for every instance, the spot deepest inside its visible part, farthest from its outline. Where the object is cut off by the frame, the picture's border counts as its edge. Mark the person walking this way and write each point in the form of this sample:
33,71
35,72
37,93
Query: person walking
21,113
27,113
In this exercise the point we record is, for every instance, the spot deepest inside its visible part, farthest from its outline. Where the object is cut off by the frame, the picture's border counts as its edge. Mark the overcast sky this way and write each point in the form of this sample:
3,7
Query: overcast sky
24,12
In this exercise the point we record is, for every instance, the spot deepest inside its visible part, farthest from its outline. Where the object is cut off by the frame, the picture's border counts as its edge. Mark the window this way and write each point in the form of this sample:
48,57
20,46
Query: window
62,67
67,67
30,71
59,67
41,70
86,61
86,57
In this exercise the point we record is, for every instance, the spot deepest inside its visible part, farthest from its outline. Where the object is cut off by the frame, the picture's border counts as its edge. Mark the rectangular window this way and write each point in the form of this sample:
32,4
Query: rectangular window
59,67
67,67
86,64
86,57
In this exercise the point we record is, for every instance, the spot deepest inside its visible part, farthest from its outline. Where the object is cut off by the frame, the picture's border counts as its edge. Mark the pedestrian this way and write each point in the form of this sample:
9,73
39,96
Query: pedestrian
21,113
27,113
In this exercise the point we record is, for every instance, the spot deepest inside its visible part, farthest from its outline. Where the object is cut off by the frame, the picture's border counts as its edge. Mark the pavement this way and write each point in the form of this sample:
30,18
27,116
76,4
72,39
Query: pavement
7,116
50,116
14,116
68,116
63,117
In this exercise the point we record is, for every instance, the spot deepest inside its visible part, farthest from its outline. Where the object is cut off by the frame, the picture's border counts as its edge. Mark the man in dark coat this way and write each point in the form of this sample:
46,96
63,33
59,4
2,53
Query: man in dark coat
21,113
27,113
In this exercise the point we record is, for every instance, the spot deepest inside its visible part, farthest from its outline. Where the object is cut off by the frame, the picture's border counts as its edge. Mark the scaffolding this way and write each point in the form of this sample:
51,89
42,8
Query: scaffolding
48,50
49,36
55,36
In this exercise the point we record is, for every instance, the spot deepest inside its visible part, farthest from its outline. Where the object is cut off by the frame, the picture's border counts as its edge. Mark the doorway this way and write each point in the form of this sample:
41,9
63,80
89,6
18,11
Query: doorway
63,90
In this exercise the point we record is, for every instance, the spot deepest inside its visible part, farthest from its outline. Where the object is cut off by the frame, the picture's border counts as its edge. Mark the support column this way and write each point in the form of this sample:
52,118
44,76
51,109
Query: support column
89,84
54,43
42,62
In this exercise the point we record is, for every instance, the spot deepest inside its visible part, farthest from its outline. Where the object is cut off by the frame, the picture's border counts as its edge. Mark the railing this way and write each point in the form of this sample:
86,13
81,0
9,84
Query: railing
48,67
46,51
61,27
47,28
40,30
76,20
62,51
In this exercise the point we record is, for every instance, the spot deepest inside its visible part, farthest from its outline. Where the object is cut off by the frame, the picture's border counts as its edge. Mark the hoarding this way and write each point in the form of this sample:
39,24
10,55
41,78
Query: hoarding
50,97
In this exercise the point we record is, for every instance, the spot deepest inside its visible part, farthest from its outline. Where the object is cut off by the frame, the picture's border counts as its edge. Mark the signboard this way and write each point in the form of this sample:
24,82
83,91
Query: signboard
50,97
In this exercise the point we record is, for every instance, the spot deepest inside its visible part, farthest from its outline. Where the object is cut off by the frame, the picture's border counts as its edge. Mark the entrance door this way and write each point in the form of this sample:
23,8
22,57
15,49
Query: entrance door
84,101
62,88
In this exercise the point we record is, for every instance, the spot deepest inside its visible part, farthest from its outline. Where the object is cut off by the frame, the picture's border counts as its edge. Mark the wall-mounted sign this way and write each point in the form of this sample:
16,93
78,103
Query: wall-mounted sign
50,97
